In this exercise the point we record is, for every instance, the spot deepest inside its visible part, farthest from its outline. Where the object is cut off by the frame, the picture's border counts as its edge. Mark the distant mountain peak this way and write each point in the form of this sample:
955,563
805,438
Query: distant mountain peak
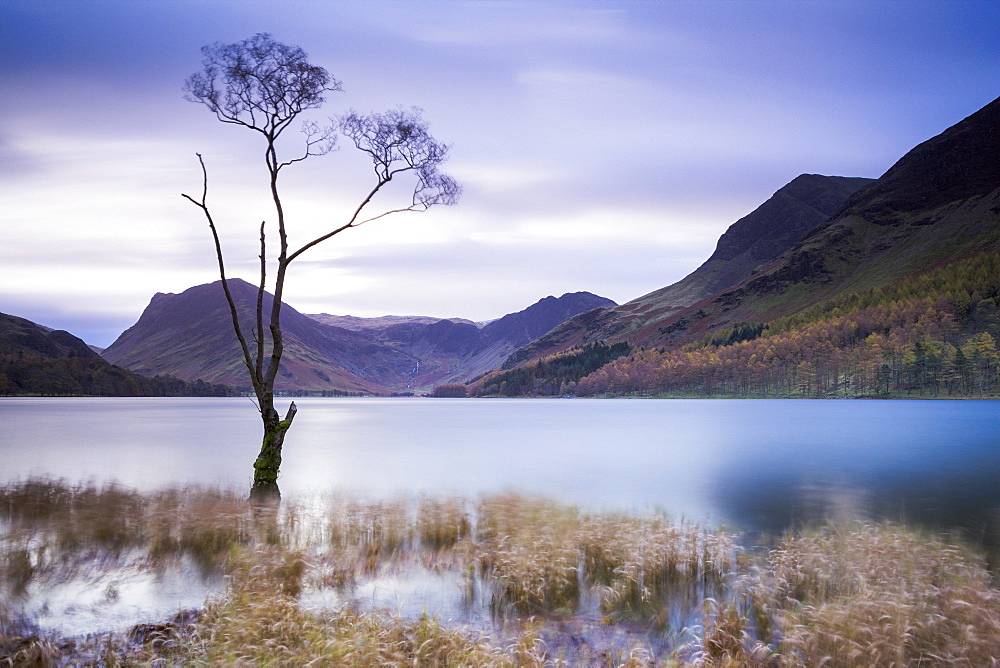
360,324
189,335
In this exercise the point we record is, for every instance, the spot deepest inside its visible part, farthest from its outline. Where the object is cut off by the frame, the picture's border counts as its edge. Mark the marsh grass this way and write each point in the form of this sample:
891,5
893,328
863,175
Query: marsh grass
442,523
650,569
880,595
259,622
561,586
529,555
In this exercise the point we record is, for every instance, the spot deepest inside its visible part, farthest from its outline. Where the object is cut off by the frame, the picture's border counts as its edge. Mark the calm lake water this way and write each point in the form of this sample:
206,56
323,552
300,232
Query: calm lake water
750,464
755,466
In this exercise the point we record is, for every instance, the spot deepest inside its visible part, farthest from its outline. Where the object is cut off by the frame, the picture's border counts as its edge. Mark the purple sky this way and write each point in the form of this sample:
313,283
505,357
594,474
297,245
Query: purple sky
603,146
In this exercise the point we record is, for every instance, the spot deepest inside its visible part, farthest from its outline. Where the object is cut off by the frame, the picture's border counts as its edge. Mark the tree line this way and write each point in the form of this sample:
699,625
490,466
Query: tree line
932,334
26,374
554,375
910,347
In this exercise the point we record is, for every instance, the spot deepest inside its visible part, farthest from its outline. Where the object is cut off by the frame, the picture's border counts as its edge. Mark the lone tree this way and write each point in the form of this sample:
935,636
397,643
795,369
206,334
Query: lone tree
264,86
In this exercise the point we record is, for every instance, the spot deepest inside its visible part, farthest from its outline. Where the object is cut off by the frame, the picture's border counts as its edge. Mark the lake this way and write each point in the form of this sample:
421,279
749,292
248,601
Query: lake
756,465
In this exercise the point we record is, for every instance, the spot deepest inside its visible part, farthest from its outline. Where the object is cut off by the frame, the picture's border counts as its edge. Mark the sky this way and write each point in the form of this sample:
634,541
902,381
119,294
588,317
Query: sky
602,145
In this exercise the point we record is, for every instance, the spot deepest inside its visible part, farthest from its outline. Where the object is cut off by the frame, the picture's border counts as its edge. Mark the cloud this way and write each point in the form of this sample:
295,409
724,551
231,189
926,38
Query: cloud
501,24
453,279
602,147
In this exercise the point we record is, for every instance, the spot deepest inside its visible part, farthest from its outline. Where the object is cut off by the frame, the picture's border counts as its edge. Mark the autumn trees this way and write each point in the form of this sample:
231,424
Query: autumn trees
927,335
265,86
898,347
931,334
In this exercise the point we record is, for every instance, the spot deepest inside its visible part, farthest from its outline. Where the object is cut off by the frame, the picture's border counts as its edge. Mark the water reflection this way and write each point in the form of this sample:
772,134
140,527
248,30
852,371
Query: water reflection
750,463
76,559
943,493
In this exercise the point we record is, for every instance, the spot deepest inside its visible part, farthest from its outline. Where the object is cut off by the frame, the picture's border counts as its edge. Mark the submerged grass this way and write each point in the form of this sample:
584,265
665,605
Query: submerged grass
259,622
561,586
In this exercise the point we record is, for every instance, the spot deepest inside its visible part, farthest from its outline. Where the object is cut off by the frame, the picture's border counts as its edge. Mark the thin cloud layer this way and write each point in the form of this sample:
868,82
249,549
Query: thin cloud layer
603,146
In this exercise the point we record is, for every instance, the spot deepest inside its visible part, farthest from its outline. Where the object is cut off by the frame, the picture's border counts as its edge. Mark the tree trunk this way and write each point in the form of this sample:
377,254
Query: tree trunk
265,469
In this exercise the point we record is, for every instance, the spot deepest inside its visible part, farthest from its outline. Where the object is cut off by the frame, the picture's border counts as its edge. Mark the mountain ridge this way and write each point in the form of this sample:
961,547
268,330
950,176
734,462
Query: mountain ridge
817,238
190,336
932,222
753,240
913,217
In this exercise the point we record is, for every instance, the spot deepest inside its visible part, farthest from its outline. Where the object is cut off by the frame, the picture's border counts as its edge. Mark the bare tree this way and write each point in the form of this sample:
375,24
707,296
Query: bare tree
263,85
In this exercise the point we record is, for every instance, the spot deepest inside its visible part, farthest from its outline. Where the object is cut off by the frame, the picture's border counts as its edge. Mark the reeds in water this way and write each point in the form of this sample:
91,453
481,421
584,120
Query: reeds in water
528,551
258,622
442,523
652,569
880,595
840,595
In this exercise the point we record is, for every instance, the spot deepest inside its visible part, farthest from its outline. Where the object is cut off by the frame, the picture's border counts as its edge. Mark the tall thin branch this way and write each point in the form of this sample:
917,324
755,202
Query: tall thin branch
259,366
203,205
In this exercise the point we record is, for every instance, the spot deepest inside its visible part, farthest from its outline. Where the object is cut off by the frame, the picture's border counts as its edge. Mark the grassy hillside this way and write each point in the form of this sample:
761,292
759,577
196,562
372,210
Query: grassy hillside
894,294
554,375
931,334
939,203
755,239
37,361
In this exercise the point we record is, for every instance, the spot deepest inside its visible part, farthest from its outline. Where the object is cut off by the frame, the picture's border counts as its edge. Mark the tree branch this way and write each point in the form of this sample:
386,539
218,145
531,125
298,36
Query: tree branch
203,205
259,334
351,223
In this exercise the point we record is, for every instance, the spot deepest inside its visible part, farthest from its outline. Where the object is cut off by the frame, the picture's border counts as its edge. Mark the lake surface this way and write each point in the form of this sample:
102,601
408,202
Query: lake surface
755,465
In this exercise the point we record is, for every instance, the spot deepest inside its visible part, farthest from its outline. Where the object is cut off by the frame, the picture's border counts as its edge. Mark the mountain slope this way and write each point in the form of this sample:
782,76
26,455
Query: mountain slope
896,293
757,238
933,333
38,360
456,350
357,324
23,337
190,336
761,236
940,202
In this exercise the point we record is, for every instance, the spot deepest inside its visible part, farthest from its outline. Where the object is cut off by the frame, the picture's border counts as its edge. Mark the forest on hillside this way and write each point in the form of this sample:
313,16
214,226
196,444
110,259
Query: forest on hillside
554,375
932,334
22,374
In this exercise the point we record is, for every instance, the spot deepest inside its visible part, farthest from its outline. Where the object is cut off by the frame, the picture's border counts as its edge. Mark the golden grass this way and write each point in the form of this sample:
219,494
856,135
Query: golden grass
259,622
527,550
840,595
441,523
880,595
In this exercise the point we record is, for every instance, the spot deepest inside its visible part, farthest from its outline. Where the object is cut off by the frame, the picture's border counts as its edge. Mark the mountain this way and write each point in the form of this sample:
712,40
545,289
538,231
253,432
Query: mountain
762,235
456,350
939,203
933,333
895,293
754,240
189,336
358,324
23,337
38,360
527,325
